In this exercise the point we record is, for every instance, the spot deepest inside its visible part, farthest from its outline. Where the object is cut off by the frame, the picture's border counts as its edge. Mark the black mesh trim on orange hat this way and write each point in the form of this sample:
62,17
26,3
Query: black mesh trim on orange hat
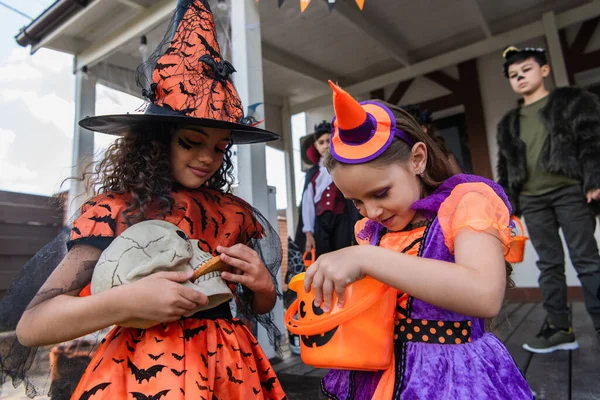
432,331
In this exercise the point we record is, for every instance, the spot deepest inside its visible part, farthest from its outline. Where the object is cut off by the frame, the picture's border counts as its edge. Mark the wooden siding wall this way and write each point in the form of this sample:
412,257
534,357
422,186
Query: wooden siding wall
27,223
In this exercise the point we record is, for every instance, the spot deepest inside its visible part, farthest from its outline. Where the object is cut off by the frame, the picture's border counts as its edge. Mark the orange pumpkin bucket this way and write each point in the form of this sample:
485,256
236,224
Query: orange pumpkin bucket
309,257
517,245
358,336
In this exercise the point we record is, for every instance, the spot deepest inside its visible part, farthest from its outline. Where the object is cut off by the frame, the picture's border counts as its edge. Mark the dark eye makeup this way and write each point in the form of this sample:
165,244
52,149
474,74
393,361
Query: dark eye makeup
183,144
192,142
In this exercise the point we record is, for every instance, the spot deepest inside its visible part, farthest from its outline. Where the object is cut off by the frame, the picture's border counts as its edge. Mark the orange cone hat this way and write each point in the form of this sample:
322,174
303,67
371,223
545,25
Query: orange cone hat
348,111
361,130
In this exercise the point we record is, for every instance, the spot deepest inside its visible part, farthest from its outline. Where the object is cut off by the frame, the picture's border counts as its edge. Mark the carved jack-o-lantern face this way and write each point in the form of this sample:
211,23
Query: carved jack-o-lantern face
313,313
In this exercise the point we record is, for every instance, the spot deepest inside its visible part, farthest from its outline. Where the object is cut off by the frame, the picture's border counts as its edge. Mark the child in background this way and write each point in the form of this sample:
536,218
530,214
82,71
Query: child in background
326,218
549,165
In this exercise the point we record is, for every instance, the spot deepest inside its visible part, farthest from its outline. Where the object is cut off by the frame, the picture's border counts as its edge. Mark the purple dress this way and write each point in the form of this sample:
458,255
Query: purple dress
481,368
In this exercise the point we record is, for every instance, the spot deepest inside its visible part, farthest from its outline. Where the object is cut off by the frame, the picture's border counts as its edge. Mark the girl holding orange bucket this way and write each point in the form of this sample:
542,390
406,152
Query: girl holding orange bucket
439,240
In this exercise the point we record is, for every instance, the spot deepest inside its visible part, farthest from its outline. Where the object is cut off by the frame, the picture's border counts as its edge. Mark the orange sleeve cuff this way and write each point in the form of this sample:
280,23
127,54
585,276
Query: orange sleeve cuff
475,206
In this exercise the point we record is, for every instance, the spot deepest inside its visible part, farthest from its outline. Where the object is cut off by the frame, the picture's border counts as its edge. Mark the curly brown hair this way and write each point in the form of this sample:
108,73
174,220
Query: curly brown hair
138,163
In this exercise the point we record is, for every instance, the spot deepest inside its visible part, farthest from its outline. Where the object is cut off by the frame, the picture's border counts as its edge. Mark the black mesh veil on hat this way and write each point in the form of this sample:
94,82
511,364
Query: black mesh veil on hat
190,83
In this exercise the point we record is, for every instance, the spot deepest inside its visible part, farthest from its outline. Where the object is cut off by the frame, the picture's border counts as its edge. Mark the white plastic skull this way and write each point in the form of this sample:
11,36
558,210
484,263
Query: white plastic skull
152,246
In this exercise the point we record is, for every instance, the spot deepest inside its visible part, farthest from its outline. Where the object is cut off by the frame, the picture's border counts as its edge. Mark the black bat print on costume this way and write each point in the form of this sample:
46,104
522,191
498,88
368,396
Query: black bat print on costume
177,373
178,357
97,365
208,248
203,218
245,354
191,333
216,233
89,393
209,48
268,384
232,378
141,374
190,222
107,219
184,91
160,67
155,358
116,335
157,396
106,206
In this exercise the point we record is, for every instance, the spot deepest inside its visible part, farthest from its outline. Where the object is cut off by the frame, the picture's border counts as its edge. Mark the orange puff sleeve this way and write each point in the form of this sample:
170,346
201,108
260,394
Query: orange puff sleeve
101,220
475,206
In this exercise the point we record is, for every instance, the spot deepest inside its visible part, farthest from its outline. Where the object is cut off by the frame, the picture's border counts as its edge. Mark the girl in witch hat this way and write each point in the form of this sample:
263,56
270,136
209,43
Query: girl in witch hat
173,163
439,239
326,218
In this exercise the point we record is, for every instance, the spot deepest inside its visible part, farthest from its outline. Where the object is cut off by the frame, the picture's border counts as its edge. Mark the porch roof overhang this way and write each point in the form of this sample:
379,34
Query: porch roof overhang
388,42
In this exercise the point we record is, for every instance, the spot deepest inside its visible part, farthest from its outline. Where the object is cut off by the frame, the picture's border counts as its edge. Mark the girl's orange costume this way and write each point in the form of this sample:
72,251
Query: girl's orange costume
196,356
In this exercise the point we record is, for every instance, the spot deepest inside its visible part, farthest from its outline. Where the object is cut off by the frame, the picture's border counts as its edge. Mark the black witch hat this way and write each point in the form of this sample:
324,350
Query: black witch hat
191,83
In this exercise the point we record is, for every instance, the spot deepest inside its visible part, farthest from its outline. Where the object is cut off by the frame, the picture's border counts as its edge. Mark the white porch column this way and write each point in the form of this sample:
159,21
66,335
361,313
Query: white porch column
247,59
251,160
83,139
290,177
557,60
